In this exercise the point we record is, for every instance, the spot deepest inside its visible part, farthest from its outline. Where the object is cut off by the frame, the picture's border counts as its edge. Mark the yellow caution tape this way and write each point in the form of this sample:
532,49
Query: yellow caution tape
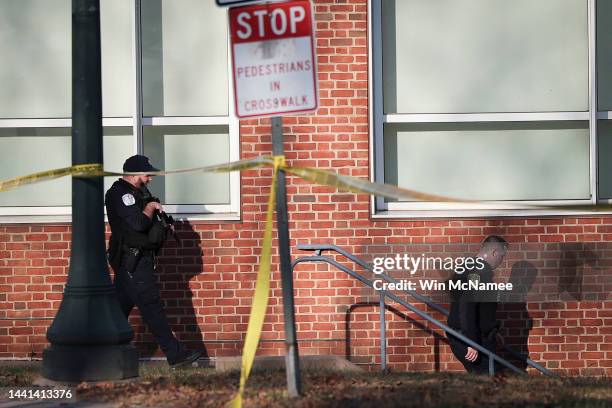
217,168
319,176
357,185
262,288
96,170
79,169
346,183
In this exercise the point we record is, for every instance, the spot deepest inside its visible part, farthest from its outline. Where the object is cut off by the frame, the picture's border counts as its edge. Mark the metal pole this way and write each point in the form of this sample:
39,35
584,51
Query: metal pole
292,362
90,337
383,335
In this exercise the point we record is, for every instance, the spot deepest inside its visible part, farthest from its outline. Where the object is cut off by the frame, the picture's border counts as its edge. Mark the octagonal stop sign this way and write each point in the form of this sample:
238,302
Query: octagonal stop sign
273,54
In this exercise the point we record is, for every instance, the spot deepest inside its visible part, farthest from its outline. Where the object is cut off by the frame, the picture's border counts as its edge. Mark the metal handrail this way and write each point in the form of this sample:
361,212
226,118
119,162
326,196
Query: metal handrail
492,356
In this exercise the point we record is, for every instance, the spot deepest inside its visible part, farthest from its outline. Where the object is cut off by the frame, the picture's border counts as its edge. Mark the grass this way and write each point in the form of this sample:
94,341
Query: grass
159,386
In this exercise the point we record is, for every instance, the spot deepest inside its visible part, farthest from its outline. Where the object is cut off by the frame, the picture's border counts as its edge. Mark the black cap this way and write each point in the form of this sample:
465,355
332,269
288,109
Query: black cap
138,163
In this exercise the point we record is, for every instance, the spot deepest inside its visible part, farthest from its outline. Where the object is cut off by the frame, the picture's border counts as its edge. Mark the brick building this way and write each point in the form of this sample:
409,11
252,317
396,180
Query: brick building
503,102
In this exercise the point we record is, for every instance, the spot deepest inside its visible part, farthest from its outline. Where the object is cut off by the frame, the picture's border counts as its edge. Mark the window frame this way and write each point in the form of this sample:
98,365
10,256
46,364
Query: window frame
377,119
220,212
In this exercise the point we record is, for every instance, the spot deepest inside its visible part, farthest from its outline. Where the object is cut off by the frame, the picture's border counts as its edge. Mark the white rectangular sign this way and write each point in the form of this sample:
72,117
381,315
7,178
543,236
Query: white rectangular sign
274,60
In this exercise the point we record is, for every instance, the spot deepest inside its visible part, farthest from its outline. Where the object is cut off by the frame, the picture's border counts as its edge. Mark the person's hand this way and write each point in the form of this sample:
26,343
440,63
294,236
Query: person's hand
153,206
500,340
471,355
172,228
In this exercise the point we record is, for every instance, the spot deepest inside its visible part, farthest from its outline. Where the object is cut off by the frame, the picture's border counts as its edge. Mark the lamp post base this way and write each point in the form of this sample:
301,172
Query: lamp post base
78,363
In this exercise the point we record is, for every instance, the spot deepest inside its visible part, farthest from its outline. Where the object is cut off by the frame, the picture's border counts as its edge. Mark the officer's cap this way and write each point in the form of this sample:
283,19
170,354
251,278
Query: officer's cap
138,163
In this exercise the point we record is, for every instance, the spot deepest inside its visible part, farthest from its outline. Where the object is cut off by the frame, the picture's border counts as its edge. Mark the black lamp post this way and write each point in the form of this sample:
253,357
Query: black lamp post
90,337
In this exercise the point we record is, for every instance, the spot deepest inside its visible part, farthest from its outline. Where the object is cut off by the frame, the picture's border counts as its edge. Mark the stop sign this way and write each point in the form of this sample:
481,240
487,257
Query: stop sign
273,54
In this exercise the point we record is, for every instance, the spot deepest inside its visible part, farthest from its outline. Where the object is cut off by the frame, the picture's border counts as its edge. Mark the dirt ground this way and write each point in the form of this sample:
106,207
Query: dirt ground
159,386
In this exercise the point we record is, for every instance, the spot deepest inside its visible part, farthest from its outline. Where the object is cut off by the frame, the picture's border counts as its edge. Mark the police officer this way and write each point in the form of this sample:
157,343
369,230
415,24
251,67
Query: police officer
137,234
473,312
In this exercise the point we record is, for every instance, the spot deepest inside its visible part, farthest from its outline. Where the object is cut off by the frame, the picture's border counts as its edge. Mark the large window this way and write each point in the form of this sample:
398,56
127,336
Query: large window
491,100
166,93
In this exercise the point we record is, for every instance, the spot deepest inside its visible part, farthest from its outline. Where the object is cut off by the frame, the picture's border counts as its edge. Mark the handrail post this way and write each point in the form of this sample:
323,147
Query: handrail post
491,367
383,335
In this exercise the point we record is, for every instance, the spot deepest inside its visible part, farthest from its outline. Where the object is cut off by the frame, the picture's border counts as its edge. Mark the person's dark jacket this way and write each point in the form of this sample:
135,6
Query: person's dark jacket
130,227
473,312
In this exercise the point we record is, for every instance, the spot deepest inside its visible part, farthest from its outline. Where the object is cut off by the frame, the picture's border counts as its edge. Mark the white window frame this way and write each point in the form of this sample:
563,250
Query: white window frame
377,119
221,212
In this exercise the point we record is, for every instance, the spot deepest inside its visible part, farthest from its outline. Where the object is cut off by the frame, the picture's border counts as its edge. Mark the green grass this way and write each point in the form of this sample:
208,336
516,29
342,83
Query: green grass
158,386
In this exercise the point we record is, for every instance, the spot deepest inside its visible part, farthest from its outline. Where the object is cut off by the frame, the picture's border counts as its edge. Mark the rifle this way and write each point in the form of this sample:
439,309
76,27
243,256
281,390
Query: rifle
162,217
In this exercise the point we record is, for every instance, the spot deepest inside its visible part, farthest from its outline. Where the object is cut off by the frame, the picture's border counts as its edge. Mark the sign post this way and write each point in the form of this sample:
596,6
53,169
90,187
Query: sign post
274,72
292,358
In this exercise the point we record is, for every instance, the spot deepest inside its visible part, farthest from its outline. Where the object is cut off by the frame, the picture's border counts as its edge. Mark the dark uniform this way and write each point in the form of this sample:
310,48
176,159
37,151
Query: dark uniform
473,314
133,245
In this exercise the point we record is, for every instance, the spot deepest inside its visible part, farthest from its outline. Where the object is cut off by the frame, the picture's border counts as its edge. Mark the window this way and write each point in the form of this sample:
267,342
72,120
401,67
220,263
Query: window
30,150
166,93
490,100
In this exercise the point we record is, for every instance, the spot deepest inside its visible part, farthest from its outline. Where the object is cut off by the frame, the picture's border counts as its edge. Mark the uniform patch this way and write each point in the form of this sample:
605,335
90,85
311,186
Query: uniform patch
128,199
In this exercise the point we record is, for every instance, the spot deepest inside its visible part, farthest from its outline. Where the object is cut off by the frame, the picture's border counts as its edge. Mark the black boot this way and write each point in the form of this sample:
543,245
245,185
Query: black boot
185,358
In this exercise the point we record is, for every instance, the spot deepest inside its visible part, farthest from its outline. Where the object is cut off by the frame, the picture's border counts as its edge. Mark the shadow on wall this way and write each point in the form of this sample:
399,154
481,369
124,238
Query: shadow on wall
178,263
518,324
575,258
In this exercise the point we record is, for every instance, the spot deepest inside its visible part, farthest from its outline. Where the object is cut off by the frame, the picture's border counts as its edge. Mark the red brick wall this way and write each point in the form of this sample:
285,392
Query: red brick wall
208,282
